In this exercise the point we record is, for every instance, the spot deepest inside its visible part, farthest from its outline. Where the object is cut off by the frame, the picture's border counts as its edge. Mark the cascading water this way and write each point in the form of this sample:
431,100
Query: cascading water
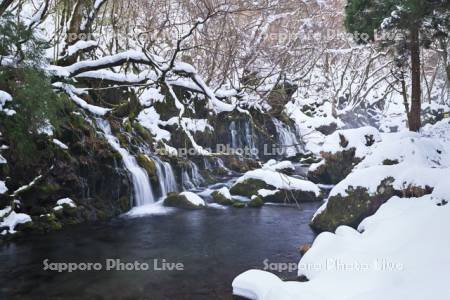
193,179
166,177
233,132
287,139
242,138
141,185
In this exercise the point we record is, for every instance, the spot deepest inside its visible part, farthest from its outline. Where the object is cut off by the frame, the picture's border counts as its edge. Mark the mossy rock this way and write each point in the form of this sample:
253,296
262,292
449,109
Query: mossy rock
238,204
221,199
249,187
336,167
292,197
179,201
144,133
149,166
351,209
256,202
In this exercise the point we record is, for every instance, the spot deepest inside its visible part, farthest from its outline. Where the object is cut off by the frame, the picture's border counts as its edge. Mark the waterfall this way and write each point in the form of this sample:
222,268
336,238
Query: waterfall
141,185
287,139
242,138
166,177
250,142
192,180
233,131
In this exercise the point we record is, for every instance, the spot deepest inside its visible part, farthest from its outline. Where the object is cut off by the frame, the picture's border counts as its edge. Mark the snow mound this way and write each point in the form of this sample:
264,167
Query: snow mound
359,138
280,181
194,198
12,219
224,191
64,201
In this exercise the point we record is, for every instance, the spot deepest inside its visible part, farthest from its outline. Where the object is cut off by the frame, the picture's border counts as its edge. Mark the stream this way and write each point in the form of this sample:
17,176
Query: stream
214,246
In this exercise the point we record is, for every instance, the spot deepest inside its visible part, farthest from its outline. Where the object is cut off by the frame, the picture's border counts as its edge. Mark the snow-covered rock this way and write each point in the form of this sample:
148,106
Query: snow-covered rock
398,253
186,200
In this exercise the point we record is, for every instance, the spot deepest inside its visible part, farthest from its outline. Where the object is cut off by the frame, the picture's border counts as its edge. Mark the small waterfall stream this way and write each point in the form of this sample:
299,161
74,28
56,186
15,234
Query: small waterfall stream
242,137
191,178
166,177
141,184
287,138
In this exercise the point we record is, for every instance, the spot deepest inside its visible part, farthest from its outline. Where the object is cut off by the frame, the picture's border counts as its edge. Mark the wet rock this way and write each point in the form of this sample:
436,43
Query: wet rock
256,202
249,187
219,198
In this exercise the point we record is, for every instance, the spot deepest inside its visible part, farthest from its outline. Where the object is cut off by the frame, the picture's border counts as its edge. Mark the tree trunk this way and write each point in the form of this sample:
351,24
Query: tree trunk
416,97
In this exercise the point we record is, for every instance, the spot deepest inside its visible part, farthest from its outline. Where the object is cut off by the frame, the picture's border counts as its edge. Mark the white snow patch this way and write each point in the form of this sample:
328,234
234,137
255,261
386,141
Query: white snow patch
194,198
280,181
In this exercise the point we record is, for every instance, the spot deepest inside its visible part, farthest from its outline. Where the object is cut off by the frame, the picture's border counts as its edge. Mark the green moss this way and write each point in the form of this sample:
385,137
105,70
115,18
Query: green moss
221,199
144,133
256,202
336,167
238,204
351,209
149,165
249,187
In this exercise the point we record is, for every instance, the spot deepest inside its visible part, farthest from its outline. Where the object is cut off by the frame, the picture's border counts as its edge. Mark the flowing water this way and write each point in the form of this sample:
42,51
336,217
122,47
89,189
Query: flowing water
214,246
287,138
142,189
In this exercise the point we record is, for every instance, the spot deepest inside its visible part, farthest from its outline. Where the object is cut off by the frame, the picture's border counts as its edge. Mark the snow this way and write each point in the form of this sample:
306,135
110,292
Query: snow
398,253
265,193
278,166
67,201
193,125
356,139
3,188
254,284
194,198
80,45
151,120
12,219
60,144
151,95
280,181
6,97
64,201
72,92
224,191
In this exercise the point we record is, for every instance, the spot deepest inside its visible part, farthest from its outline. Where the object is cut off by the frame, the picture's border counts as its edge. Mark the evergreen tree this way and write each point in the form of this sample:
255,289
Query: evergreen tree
420,23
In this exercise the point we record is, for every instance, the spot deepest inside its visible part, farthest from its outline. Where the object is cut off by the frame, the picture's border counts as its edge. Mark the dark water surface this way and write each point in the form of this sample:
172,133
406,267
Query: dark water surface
214,246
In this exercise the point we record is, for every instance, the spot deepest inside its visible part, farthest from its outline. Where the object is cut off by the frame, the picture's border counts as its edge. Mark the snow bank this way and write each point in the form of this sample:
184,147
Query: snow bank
398,253
356,138
280,181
